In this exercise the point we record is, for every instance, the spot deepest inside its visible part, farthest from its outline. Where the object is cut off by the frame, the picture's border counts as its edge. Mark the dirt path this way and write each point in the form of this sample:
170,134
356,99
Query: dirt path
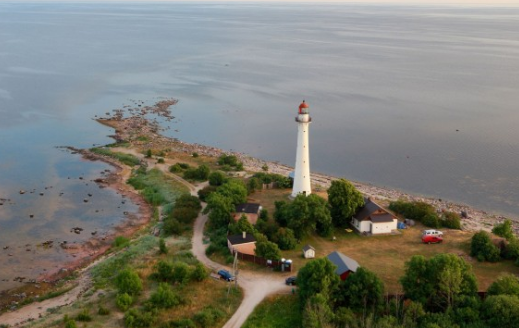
256,286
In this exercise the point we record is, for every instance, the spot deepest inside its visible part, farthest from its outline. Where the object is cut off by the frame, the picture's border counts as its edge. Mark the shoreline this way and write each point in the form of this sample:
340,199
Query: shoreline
132,129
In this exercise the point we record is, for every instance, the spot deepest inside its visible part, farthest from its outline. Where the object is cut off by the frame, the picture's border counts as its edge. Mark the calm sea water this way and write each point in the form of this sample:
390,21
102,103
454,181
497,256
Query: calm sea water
422,99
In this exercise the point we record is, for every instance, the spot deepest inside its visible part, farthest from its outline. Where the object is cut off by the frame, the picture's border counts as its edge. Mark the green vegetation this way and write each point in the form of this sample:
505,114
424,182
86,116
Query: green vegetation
128,281
230,162
426,214
200,173
165,297
183,214
105,272
163,249
278,311
121,242
217,178
156,188
504,230
127,159
483,249
84,316
344,200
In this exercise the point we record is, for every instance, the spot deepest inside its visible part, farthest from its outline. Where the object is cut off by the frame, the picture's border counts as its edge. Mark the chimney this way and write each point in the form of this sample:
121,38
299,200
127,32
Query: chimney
244,234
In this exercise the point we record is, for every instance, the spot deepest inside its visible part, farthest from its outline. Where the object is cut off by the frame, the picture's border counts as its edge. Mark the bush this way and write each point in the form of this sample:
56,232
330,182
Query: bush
84,316
164,297
483,249
451,220
172,226
180,323
217,178
121,241
137,319
205,192
418,211
123,301
128,281
175,168
70,324
195,155
181,273
208,316
103,311
163,271
160,161
200,272
163,249
504,230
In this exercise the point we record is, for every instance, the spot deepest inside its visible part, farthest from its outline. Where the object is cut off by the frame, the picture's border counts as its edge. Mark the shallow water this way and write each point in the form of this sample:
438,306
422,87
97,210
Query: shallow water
422,99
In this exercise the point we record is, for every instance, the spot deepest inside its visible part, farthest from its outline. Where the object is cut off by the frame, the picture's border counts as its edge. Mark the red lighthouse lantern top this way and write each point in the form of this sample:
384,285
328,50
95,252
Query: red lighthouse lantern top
303,108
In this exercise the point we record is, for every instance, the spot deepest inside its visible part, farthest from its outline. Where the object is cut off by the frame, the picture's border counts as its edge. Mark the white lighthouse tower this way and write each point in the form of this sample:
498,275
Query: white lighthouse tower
302,170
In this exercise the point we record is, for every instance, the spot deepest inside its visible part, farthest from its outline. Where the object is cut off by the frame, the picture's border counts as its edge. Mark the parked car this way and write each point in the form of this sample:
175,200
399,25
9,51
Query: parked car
431,239
291,281
432,232
226,275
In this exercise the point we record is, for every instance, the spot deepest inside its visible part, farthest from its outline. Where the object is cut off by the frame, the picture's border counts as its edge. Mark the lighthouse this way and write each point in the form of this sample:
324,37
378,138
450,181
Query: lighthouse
302,167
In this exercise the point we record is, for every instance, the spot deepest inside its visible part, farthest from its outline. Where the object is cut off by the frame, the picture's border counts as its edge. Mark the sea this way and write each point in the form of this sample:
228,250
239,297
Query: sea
418,98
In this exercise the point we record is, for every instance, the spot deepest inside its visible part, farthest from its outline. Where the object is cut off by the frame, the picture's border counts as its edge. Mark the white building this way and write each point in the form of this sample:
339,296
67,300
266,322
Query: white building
374,219
302,167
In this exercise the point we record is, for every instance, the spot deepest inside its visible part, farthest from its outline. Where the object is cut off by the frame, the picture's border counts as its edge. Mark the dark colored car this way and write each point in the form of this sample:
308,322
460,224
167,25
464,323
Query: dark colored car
226,275
291,281
430,239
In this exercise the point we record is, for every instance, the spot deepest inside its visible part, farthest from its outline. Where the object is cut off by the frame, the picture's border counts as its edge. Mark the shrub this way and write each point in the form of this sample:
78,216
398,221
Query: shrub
195,155
451,220
149,153
163,249
103,311
208,316
482,247
121,241
160,160
217,178
128,281
504,230
172,226
200,272
163,271
184,214
181,273
137,319
205,192
164,297
70,324
84,316
123,301
175,168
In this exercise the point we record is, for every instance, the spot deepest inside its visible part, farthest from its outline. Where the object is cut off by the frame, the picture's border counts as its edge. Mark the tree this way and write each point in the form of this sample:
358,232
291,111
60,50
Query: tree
164,297
204,193
504,230
306,214
344,200
242,225
123,301
254,184
219,208
451,220
505,285
317,313
362,290
128,281
267,250
501,311
200,272
438,282
317,276
235,190
285,239
217,178
483,249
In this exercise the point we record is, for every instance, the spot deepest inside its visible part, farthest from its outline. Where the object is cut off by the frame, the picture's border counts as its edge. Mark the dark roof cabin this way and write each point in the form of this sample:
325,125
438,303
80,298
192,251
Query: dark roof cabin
345,265
249,210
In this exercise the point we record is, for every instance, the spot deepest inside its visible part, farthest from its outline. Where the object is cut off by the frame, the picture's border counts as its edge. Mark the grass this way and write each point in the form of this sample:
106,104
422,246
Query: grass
167,188
127,159
279,311
386,255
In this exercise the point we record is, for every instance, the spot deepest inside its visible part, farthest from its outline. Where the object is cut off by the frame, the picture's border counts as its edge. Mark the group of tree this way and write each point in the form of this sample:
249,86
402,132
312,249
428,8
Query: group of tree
304,215
438,292
484,248
426,214
259,179
229,163
182,215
